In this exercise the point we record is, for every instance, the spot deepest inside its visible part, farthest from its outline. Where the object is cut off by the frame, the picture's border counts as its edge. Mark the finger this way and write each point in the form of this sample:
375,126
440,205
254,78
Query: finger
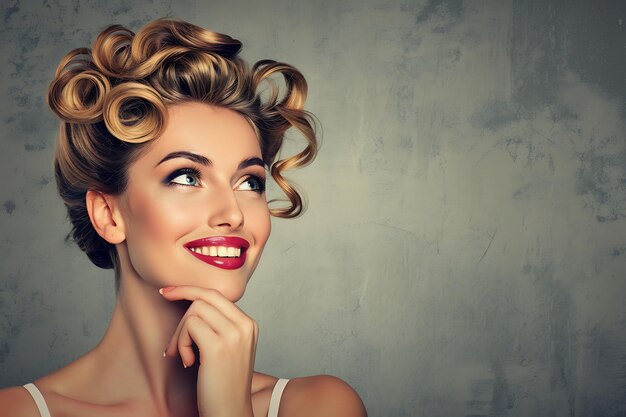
210,296
195,331
219,323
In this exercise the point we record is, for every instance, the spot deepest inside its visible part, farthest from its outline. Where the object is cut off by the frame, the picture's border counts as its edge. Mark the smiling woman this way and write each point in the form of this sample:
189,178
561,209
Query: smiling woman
199,186
161,160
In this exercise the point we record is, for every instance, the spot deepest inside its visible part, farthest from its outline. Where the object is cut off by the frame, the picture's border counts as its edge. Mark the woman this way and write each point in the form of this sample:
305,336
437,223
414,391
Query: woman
161,162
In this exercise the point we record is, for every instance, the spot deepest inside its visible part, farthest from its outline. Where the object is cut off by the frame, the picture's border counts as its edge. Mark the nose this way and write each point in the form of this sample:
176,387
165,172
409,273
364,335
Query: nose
225,211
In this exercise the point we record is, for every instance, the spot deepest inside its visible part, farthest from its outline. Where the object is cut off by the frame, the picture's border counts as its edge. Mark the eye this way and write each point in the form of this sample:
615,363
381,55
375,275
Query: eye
252,183
185,177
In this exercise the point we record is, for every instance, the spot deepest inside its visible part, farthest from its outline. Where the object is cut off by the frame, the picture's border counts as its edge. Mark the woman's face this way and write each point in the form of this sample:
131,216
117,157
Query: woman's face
194,210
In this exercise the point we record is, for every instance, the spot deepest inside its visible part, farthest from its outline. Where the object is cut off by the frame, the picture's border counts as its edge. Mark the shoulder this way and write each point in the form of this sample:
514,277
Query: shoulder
321,395
17,402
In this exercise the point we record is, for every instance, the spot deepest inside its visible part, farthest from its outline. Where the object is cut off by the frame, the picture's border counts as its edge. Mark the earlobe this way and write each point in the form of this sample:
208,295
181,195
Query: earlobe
103,215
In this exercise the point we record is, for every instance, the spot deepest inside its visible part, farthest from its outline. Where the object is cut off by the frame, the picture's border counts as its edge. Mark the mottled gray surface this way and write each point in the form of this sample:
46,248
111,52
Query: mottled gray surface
464,253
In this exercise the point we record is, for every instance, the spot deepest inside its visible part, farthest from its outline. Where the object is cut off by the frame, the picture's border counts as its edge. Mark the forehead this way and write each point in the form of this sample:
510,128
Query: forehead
219,134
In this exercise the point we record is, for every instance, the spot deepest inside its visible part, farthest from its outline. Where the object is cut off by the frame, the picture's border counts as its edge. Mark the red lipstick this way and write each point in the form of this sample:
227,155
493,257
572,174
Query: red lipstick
224,261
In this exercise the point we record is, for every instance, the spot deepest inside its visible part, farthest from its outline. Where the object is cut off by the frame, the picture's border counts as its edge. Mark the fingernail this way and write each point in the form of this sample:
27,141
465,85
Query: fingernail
165,289
164,355
184,366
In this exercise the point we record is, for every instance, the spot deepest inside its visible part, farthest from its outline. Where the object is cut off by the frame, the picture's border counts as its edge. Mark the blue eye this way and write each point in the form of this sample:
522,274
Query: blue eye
253,183
185,177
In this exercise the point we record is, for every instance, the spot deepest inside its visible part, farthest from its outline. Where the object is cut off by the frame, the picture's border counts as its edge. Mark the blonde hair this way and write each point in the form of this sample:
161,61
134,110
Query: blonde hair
112,100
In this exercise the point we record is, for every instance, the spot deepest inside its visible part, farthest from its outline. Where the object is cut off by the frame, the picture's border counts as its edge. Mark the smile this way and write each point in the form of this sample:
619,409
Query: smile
219,251
225,252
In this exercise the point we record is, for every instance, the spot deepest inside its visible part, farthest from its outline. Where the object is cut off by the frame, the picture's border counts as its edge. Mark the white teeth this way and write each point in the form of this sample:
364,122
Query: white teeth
220,251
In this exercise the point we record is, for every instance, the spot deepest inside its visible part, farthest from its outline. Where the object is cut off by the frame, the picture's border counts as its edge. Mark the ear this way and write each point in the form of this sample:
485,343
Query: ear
105,217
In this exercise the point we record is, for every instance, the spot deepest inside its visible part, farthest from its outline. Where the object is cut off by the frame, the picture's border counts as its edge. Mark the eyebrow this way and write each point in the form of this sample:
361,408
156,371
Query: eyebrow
203,160
252,162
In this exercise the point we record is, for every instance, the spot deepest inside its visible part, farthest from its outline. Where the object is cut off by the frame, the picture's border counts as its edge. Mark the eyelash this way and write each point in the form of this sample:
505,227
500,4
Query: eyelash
260,182
183,171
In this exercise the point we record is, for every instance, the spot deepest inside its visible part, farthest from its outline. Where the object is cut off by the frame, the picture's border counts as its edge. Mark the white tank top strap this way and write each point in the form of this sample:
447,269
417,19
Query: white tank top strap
39,400
277,392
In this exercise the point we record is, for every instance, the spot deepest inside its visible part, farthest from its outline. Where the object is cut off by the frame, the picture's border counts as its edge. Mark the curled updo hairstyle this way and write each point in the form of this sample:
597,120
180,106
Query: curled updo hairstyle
112,100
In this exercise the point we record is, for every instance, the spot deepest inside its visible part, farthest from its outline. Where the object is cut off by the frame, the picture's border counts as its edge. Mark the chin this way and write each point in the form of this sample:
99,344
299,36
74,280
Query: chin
231,292
231,286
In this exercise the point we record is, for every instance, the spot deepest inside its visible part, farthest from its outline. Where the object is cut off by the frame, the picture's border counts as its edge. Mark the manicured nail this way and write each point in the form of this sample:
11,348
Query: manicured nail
184,366
165,289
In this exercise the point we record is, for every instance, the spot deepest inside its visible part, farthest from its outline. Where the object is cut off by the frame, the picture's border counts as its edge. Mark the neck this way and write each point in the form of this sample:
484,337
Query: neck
131,352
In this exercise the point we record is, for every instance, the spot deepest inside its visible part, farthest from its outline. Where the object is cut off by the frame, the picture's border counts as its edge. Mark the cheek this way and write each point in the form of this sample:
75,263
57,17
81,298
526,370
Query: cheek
155,223
157,219
259,224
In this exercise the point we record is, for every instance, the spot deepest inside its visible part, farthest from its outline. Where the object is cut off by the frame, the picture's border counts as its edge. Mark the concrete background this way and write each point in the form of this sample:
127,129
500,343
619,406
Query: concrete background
464,253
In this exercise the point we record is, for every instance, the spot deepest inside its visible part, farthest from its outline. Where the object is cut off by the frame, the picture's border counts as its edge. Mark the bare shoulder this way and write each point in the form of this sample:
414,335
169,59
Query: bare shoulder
321,395
17,402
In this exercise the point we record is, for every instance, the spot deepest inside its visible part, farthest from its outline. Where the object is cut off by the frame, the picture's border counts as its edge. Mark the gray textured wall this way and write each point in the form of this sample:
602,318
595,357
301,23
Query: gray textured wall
464,253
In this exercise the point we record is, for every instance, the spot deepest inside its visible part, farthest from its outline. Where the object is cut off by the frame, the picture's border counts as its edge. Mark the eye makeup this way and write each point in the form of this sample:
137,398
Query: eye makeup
251,182
188,172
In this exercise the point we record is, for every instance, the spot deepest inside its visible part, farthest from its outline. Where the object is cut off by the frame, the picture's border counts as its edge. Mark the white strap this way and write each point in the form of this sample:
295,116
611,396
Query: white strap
39,400
276,394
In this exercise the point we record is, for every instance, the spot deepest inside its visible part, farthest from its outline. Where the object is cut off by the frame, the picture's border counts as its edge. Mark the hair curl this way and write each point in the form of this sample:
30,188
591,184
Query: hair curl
112,100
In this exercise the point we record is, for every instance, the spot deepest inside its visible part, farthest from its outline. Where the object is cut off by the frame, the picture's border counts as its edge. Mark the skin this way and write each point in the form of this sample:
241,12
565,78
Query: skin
207,368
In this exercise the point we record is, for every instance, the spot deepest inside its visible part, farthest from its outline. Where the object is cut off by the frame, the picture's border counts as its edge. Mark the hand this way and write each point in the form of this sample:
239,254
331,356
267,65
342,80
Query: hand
226,339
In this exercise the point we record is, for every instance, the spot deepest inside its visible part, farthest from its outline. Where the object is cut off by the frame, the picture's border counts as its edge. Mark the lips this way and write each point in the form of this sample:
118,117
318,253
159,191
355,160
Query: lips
226,252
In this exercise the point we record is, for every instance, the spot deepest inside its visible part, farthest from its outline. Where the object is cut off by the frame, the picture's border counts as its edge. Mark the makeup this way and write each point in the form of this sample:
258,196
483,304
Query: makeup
226,252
